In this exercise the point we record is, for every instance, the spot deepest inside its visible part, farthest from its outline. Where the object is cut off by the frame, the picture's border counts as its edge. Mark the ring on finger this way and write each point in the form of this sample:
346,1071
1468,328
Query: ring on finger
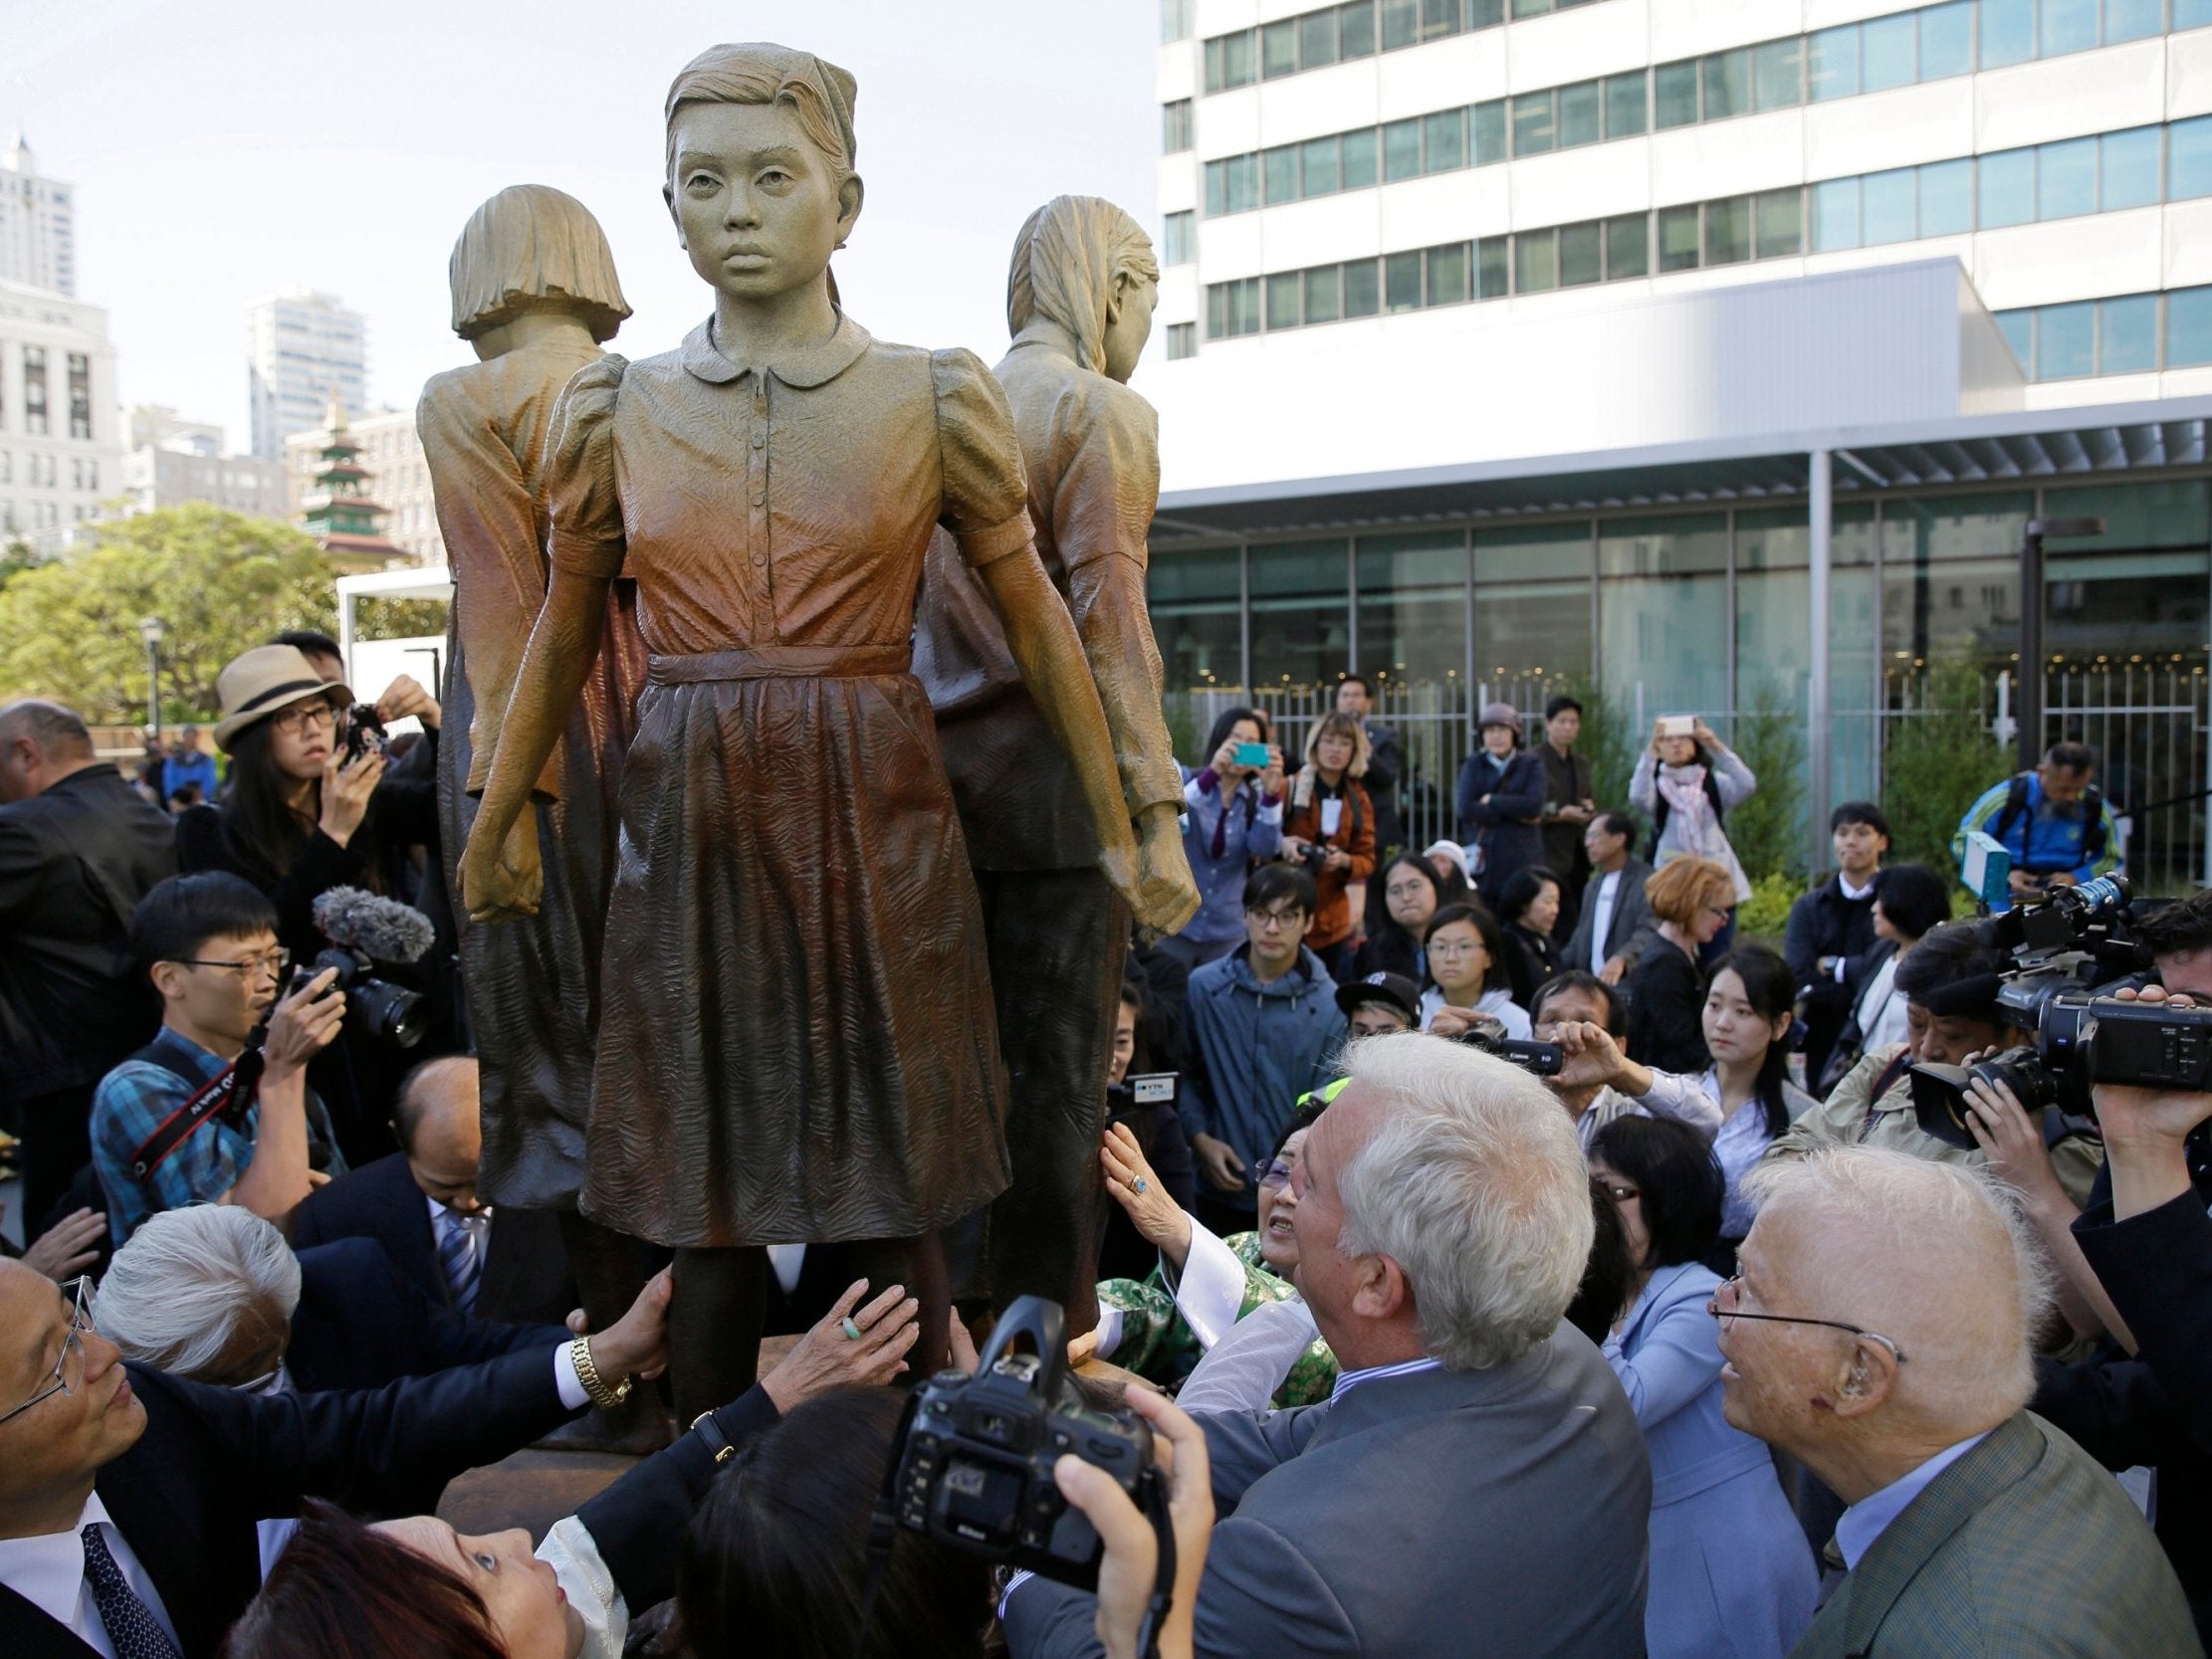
1139,1184
851,1330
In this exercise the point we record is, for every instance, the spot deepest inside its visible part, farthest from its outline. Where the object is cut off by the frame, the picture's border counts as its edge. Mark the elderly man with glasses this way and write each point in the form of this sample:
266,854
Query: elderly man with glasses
1878,1332
216,1109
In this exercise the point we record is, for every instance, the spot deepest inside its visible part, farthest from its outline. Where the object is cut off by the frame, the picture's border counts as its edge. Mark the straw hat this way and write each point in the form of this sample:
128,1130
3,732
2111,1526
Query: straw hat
264,681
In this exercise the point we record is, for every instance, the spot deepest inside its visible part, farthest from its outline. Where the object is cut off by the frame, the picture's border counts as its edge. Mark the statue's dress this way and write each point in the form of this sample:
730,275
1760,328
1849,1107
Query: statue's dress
796,1035
533,984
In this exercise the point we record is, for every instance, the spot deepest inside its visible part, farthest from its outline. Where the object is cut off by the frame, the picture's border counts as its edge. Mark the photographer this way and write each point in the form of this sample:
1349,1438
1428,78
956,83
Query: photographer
1597,1082
2053,821
1330,829
1232,817
303,816
1688,782
209,945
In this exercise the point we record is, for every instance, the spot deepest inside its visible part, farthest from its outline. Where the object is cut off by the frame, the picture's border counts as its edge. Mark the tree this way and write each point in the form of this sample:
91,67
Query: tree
221,582
1936,760
1768,830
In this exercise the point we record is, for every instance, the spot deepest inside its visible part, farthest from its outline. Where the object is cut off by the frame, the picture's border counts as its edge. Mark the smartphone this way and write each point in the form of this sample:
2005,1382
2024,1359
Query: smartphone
1677,726
1253,754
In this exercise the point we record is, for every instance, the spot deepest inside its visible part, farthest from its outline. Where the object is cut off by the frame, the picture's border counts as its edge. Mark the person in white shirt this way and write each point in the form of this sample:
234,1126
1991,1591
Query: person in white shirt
1748,1013
1468,977
1615,924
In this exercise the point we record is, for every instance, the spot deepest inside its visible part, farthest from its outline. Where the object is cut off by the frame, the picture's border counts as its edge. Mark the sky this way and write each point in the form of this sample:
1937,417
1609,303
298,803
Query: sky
223,149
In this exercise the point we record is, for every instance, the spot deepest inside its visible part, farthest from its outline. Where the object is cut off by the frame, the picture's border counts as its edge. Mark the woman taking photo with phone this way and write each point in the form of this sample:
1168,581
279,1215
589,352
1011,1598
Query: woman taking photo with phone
1234,817
1687,782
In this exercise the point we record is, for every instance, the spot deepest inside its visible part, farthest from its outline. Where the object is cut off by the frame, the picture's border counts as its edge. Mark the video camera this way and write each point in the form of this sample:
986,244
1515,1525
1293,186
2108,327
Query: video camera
2068,945
975,1466
1536,1059
363,931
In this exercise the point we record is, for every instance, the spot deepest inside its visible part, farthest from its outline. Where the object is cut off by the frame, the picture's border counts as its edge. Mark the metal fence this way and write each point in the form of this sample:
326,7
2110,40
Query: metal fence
2150,725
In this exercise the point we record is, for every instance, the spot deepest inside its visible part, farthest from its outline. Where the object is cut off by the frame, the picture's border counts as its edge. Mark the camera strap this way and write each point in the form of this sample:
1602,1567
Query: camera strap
229,1094
1162,1574
883,1525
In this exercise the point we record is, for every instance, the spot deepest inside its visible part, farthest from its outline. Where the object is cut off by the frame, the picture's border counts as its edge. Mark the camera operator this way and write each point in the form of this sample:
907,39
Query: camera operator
2053,821
1597,1082
1330,829
209,945
1950,984
304,815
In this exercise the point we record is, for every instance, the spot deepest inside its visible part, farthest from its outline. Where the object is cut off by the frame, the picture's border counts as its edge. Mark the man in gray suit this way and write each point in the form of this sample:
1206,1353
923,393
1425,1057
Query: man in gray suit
1477,1486
1615,924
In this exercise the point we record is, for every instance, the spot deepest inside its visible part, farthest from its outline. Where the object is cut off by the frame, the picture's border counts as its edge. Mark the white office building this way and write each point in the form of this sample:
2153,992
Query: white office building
37,224
303,349
61,446
1711,354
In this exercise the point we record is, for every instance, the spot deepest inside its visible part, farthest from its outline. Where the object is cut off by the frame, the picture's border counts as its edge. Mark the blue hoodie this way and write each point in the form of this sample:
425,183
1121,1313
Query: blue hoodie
1254,1049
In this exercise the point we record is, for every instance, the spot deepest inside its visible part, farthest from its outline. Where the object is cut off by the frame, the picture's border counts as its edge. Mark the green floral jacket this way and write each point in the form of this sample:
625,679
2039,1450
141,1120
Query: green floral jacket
1167,1322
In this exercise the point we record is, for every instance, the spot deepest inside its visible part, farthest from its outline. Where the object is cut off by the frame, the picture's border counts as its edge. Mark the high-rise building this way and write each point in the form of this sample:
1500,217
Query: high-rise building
173,460
392,452
37,224
304,348
1708,356
60,449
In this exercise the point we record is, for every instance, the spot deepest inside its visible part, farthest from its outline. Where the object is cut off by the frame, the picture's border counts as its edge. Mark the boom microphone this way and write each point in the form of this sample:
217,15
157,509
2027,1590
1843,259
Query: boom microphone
381,929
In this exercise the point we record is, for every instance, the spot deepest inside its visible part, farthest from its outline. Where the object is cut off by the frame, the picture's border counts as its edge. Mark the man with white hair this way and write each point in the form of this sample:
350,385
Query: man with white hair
1477,1485
1878,1332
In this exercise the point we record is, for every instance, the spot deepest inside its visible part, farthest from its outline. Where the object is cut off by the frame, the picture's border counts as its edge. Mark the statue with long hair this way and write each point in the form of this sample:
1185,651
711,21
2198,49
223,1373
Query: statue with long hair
536,293
1080,290
796,1034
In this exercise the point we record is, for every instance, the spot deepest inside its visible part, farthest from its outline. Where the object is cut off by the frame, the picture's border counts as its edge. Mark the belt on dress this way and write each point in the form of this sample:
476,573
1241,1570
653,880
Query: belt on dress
783,662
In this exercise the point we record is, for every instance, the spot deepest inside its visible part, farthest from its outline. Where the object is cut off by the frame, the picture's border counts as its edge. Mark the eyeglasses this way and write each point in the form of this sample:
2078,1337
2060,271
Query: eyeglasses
273,964
79,1292
1269,919
1452,951
1728,1316
1271,1174
296,719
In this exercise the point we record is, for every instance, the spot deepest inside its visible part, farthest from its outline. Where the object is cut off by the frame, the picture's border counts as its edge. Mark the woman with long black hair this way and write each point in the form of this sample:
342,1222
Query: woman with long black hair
1750,1007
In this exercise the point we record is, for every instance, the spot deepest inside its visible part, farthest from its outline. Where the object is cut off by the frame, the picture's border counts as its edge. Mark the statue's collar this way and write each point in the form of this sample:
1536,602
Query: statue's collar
811,366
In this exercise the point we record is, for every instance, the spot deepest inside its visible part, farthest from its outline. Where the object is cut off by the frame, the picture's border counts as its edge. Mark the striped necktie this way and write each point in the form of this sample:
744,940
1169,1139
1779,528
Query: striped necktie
132,1626
459,1259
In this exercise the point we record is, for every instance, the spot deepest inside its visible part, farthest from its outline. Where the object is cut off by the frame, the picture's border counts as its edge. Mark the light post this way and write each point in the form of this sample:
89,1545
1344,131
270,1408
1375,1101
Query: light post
2030,700
152,630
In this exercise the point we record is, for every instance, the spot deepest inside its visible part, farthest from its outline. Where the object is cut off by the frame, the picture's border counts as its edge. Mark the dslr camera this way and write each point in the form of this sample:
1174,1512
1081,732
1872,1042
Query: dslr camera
363,930
1536,1059
365,730
2067,947
975,1466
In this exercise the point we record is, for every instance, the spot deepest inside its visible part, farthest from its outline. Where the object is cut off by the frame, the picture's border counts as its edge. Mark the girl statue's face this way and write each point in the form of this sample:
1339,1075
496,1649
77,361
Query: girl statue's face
757,206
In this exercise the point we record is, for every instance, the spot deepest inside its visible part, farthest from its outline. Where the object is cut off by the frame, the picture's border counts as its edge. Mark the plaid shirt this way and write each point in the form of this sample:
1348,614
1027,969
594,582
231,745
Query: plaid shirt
136,1098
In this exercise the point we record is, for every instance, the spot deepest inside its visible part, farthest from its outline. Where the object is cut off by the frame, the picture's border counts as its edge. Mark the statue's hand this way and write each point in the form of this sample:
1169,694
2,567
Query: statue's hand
503,879
1161,893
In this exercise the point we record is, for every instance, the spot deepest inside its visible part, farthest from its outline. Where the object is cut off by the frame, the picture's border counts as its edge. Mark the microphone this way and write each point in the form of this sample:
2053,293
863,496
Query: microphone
381,929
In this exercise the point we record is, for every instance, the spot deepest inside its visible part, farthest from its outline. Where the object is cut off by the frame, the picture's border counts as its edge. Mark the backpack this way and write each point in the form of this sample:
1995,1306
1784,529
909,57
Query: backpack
2016,809
1661,811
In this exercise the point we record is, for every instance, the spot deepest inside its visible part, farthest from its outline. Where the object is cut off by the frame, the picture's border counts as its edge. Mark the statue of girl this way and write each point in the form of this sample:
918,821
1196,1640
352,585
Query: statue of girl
796,1041
536,293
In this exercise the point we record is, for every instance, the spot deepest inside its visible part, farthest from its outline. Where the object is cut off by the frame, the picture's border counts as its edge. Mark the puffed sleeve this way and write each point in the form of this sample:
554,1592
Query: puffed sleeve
583,506
986,496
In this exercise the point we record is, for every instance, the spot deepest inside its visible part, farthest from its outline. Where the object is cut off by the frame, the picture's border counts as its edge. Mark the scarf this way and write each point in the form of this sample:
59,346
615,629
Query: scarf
1691,812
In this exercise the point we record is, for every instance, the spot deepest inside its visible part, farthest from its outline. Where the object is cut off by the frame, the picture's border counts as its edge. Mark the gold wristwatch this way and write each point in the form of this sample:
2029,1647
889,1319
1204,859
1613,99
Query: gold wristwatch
596,1385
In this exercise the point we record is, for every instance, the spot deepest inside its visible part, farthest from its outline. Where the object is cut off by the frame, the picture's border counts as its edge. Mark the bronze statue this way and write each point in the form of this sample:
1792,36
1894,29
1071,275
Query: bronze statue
535,291
1079,301
795,1038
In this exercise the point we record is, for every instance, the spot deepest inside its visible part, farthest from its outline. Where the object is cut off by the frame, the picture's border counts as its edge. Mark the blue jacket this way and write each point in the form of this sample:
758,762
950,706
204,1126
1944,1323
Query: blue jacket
1505,826
2044,838
1730,1574
198,767
1253,831
1254,1049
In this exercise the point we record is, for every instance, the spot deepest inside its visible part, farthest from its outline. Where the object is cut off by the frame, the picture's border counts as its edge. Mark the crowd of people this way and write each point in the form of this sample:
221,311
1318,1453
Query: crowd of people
1520,1263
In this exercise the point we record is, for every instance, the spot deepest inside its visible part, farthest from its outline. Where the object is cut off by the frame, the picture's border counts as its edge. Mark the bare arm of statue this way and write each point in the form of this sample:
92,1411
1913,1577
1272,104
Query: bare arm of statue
557,662
1042,638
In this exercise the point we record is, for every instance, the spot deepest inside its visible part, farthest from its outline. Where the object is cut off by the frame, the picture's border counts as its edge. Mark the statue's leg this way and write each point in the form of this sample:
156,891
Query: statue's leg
1057,940
919,1265
609,1270
714,1326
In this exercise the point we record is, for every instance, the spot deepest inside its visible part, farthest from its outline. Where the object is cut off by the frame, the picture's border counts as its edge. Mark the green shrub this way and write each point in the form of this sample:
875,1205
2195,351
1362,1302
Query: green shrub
1935,761
1768,830
1761,917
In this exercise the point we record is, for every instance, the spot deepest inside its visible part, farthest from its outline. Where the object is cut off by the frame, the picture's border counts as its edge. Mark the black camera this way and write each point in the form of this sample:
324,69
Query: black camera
1536,1059
975,1468
2069,944
376,1006
364,729
1316,858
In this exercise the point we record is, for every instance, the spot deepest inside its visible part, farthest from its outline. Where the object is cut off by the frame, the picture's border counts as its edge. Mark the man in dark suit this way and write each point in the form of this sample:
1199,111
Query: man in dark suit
1831,927
128,1499
1477,1485
1879,1333
78,848
1615,922
420,1203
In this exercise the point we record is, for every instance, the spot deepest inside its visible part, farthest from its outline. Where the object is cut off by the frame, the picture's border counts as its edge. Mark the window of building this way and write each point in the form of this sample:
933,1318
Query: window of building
1400,23
1832,63
1889,206
2189,158
1400,150
1778,73
1286,292
1947,39
2067,26
1578,121
1300,624
1439,18
2188,327
2065,341
1175,127
2020,333
2192,14
34,391
1486,124
2128,20
1280,174
1363,287
1535,261
1195,602
1444,141
1728,82
2007,188
1663,611
1402,281
1180,238
1445,272
1354,36
1233,308
1230,60
1232,185
1324,298
1317,40
1677,239
1175,18
1778,218
1627,104
1278,49
2127,334
1675,95
2066,178
1728,231
2128,169
79,395
1413,606
1356,160
1492,267
2008,32
1318,172
1532,123
1581,254
1946,198
1627,247
1888,51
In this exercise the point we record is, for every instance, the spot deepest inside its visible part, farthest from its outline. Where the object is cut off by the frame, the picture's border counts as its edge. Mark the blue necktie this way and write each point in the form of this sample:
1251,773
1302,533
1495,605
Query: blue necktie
458,1260
131,1627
